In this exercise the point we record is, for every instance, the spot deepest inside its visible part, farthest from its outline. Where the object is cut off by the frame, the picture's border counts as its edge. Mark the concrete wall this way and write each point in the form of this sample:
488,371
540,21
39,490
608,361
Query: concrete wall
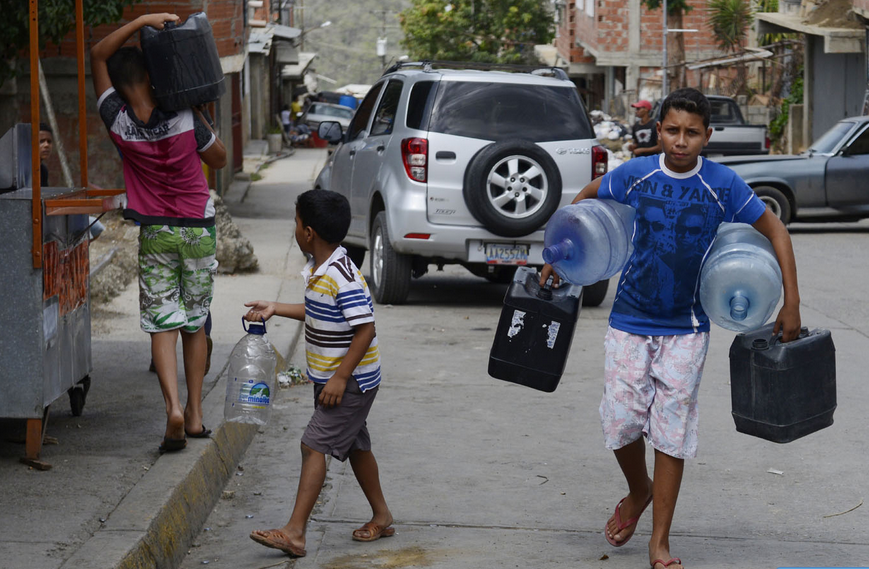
847,71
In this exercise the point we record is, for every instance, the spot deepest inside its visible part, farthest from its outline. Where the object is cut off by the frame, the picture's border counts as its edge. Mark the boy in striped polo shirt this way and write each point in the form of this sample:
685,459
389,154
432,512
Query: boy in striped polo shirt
343,362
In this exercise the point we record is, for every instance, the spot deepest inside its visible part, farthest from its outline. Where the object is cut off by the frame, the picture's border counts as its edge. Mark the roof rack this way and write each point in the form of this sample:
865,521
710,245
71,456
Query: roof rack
427,65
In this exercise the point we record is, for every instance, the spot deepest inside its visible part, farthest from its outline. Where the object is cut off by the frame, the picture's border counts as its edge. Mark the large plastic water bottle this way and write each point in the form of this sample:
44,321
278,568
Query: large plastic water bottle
589,241
251,380
740,282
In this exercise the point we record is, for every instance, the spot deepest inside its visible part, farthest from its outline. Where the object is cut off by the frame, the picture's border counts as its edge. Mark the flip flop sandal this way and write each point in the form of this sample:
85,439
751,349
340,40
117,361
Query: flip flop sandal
375,532
203,434
621,526
283,545
172,445
672,561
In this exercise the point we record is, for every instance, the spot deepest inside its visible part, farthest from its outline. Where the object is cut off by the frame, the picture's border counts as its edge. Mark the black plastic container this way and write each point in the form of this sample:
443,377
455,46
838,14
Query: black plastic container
183,63
535,332
781,392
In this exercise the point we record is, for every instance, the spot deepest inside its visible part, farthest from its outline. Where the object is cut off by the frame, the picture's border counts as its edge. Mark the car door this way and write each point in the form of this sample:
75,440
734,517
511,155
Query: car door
374,149
845,180
345,154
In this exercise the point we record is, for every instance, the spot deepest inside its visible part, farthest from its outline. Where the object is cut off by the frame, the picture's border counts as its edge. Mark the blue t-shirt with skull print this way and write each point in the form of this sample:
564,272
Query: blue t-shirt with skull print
678,215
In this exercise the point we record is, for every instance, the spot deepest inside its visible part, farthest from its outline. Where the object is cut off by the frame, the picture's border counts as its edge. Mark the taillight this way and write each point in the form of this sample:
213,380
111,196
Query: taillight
414,155
599,161
766,142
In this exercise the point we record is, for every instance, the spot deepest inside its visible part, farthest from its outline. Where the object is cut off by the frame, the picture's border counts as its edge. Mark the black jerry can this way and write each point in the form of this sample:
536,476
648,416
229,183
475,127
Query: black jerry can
781,392
535,331
183,63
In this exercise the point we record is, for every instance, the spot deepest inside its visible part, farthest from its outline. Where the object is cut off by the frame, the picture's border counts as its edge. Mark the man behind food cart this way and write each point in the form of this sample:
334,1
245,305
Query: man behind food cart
167,194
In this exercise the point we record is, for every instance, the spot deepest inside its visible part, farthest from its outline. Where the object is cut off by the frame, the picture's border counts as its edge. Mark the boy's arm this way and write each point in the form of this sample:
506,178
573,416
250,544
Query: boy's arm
214,155
107,46
264,309
590,191
333,391
788,320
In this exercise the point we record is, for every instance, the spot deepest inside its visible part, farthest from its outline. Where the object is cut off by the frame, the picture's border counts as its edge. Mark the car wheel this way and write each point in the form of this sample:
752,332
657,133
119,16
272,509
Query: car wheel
593,295
390,270
775,201
356,254
512,187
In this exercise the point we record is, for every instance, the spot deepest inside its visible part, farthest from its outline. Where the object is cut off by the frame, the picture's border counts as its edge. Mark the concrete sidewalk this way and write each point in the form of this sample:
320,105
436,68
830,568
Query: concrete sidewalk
111,500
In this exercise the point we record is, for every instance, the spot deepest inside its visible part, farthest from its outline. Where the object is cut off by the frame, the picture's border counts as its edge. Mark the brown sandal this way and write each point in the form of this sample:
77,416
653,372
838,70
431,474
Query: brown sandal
375,532
268,539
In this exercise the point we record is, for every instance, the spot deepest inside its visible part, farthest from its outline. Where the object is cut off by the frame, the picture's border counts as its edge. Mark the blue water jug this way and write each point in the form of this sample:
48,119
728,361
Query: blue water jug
740,282
250,384
589,241
183,63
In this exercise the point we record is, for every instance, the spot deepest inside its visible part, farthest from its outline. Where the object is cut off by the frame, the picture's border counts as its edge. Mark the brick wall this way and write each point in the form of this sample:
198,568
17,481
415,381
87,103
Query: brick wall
607,29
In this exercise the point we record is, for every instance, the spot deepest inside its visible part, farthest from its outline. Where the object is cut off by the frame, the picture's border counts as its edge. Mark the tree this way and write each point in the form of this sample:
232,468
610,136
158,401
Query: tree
729,21
56,19
501,31
675,57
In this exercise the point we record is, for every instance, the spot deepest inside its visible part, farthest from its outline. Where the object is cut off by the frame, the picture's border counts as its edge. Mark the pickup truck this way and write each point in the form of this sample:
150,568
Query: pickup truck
731,135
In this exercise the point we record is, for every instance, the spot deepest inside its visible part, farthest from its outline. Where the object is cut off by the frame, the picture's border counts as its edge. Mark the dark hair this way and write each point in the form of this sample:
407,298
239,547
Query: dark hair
689,100
44,127
127,68
327,213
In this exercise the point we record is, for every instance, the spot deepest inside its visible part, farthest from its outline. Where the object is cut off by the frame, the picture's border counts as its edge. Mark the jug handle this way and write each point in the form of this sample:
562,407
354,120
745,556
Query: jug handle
776,339
246,327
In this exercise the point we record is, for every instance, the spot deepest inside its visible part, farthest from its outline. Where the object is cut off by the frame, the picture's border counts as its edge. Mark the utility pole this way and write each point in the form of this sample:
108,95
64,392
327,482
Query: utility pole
381,41
664,85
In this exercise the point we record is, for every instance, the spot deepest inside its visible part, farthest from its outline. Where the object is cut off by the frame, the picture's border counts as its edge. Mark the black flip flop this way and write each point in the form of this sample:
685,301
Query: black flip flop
203,434
172,445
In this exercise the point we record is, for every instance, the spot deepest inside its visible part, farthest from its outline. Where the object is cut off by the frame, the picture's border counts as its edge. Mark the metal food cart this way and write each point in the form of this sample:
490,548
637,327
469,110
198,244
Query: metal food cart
45,309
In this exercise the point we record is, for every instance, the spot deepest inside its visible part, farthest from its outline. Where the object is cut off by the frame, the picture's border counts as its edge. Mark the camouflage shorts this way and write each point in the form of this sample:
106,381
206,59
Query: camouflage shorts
176,276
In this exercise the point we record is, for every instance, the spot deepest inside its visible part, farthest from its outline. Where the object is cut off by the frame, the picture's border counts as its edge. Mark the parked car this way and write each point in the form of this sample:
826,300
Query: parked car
319,112
827,181
459,166
731,134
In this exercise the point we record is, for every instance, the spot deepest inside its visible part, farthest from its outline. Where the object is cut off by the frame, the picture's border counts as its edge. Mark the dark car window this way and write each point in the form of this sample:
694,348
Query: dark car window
831,138
860,145
419,105
500,111
384,118
363,113
330,111
724,112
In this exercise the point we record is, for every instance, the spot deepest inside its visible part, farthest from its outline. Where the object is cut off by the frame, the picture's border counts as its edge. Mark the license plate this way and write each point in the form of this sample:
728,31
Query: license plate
506,254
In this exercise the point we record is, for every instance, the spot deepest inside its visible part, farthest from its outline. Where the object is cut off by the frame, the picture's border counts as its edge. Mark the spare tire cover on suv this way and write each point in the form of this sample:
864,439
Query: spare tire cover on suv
512,187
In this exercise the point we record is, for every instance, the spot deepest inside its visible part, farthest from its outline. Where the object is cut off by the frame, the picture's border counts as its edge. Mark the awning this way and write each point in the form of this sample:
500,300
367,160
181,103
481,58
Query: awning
836,39
297,71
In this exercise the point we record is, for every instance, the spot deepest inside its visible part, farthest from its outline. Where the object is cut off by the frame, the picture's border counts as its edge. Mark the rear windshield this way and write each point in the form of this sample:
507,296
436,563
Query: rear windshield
724,112
330,111
498,111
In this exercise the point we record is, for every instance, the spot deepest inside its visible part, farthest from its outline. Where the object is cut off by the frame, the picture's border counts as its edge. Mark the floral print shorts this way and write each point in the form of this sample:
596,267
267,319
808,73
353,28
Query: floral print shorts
651,385
176,276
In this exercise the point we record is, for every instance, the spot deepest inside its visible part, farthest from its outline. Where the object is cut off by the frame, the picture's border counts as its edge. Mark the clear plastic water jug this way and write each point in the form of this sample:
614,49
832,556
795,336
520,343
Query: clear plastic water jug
250,384
589,241
740,282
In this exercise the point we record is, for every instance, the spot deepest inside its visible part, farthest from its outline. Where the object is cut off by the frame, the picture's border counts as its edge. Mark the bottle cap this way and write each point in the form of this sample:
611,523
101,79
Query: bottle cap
760,344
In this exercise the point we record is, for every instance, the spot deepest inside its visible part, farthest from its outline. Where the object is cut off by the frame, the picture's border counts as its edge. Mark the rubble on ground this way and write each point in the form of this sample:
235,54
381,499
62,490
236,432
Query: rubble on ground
613,135
234,251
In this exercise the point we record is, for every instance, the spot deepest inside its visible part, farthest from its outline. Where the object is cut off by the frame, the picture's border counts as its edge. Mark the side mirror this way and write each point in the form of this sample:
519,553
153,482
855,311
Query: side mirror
330,131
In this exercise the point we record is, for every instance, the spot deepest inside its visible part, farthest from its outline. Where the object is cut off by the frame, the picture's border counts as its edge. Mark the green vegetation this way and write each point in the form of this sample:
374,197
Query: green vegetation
501,31
56,19
795,97
729,21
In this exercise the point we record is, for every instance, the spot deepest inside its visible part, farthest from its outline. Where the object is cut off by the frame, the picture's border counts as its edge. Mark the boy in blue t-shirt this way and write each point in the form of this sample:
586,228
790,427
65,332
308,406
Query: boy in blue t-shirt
658,335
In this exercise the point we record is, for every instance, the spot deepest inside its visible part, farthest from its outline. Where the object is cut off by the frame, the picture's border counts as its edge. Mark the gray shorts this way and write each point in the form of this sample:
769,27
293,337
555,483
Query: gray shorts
338,431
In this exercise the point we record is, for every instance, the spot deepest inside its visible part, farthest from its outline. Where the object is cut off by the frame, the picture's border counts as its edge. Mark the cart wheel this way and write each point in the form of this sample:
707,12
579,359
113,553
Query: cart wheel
78,394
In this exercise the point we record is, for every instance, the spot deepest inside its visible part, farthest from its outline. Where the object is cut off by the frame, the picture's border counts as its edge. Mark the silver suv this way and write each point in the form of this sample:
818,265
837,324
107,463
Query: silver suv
459,166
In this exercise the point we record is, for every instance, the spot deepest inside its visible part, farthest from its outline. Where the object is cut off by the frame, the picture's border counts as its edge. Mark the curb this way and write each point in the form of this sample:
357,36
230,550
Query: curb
157,521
